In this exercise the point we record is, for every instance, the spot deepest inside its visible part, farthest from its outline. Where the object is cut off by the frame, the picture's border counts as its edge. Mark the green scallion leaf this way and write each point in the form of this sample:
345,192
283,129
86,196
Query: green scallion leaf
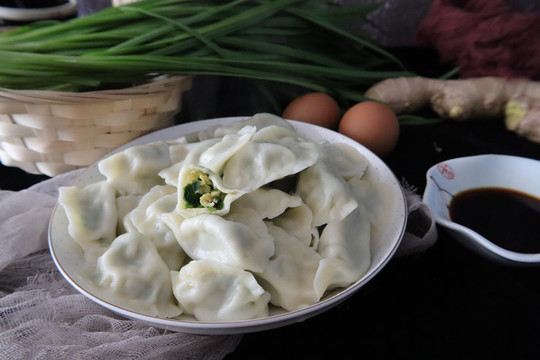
304,43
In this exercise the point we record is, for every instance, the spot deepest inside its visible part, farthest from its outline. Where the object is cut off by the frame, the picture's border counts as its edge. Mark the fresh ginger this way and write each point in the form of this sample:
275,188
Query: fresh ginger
515,100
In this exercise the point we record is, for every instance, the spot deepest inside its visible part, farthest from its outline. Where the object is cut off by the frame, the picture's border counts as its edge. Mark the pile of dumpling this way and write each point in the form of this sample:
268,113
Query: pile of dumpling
226,223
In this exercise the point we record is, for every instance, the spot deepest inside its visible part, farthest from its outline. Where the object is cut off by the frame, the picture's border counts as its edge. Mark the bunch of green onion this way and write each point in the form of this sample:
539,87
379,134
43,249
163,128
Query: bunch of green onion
304,43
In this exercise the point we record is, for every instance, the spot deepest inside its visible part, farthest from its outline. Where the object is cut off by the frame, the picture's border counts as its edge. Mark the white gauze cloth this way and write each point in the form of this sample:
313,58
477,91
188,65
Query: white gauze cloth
421,231
43,317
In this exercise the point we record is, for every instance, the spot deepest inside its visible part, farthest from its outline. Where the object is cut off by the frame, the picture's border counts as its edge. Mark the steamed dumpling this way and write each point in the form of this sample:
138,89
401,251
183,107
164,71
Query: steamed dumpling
275,133
238,244
324,189
215,157
376,198
259,121
297,222
213,291
146,219
347,161
290,273
345,251
267,202
259,163
135,170
132,273
91,212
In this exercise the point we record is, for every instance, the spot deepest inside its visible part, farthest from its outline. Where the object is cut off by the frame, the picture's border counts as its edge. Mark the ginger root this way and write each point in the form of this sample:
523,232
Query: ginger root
515,100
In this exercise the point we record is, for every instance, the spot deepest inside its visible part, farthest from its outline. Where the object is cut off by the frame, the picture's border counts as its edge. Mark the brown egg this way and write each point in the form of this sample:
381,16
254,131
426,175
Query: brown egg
373,125
314,108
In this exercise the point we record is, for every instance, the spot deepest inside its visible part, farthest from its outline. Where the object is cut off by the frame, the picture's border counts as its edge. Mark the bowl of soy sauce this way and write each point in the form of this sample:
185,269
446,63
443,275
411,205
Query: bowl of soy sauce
490,203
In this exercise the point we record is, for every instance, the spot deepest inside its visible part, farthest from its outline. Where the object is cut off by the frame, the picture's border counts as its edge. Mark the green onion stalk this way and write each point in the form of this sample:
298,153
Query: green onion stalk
305,43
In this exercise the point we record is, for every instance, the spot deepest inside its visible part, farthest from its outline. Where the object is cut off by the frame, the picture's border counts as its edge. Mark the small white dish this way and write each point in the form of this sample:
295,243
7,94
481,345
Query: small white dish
446,179
68,256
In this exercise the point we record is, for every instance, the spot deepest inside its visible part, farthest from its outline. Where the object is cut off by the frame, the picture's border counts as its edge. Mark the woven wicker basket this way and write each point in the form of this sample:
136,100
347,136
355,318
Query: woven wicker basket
50,132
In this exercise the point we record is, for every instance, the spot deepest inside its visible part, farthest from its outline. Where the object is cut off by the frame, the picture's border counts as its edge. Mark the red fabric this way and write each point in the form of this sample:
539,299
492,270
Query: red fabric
483,38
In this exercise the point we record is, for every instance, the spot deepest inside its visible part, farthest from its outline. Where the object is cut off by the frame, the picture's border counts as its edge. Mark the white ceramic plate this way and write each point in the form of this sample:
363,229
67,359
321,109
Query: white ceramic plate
68,255
446,179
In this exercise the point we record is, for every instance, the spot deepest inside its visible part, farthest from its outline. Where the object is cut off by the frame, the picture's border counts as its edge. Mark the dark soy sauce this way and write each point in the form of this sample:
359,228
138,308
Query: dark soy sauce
507,218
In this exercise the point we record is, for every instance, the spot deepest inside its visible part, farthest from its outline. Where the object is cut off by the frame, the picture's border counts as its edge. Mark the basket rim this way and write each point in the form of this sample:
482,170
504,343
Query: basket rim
154,86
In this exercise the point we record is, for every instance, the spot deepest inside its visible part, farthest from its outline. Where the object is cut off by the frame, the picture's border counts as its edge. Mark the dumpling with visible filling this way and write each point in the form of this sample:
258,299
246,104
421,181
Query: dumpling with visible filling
201,191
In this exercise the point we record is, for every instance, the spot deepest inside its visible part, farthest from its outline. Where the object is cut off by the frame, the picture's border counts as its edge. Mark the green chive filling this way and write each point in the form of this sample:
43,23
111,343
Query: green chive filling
201,194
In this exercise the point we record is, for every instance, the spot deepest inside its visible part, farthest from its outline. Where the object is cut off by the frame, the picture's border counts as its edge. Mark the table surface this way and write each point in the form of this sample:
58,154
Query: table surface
446,302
